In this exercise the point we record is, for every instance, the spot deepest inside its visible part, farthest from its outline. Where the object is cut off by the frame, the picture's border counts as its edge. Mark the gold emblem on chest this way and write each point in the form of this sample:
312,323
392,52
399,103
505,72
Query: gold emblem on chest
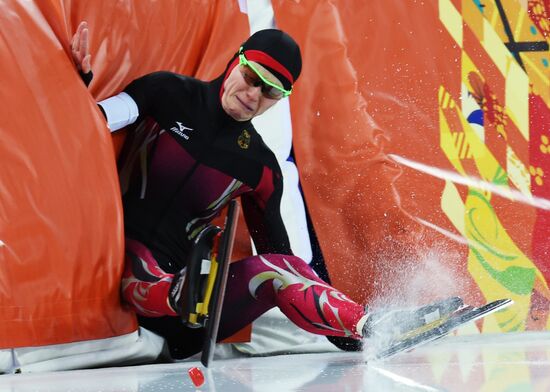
244,139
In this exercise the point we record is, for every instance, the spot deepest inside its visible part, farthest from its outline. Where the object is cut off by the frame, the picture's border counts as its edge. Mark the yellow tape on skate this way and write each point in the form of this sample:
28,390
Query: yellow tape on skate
202,307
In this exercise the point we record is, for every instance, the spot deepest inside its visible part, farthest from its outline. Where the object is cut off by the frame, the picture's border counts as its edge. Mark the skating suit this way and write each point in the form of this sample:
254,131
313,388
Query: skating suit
182,162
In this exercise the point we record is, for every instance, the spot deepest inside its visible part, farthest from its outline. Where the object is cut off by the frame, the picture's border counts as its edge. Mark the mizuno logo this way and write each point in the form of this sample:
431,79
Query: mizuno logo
180,130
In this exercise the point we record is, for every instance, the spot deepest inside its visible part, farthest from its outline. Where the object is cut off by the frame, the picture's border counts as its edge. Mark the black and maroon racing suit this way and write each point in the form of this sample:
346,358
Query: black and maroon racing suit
183,162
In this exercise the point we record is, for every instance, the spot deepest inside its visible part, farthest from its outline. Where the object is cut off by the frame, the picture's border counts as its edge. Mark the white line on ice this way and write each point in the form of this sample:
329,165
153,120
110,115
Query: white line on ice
404,380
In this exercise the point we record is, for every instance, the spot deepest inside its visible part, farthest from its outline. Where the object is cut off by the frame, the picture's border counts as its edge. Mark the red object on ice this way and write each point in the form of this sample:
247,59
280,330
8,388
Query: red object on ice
196,376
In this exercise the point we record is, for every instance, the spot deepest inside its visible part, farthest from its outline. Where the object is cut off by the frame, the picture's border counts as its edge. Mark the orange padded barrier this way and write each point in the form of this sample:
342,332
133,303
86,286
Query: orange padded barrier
355,104
61,233
422,137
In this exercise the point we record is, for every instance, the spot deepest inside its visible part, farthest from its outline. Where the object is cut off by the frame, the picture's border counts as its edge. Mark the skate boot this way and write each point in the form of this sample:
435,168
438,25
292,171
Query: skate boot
382,326
346,344
192,287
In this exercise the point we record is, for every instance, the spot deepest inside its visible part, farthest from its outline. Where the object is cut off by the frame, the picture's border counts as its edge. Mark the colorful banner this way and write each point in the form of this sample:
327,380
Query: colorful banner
423,144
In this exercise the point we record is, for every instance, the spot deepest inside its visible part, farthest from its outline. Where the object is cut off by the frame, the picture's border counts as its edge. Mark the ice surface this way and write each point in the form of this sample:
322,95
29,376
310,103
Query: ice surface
514,361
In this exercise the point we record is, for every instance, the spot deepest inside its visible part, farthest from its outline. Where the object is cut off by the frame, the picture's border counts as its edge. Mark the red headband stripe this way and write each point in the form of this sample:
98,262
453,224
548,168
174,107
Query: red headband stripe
265,59
229,69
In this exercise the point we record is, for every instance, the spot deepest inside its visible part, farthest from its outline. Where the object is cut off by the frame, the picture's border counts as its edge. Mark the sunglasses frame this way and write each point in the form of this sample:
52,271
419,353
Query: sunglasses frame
244,61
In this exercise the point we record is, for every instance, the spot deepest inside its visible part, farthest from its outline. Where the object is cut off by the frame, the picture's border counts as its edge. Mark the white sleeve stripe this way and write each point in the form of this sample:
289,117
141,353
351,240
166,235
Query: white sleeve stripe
121,110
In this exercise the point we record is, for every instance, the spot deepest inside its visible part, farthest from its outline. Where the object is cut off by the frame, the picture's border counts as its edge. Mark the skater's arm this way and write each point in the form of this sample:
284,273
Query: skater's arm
80,51
119,111
149,95
139,98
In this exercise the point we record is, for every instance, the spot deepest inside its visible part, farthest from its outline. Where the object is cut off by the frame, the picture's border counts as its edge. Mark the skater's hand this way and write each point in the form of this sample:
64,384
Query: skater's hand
80,48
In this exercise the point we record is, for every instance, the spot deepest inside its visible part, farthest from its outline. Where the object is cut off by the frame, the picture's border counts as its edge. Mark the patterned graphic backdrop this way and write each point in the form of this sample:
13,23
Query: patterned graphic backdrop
495,136
438,156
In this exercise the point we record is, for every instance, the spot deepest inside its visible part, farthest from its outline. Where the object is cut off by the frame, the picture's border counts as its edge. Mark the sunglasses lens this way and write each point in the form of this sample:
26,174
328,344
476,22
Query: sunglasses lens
252,79
271,92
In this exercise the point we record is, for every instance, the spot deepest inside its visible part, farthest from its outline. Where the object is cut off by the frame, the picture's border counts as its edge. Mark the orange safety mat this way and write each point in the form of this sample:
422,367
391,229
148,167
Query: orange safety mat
61,227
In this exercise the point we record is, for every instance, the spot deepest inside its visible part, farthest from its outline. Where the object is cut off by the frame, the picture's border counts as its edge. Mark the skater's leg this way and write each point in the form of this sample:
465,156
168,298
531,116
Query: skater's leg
145,286
258,283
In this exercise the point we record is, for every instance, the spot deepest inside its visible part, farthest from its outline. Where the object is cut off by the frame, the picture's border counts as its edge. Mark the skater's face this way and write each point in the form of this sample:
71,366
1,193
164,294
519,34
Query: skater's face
246,95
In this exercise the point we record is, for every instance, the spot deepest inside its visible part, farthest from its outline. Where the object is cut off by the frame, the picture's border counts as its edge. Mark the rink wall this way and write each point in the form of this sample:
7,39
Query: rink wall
423,142
421,134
